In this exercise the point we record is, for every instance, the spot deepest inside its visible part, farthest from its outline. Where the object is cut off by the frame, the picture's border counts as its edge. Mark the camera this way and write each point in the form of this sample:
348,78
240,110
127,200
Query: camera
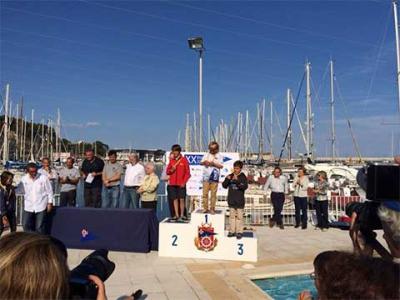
381,182
96,263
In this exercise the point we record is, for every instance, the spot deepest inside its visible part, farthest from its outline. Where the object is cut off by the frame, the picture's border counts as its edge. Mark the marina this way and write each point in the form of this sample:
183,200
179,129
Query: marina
213,150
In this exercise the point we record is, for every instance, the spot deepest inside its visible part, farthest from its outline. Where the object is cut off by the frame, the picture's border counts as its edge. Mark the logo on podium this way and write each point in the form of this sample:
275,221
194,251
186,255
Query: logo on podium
205,240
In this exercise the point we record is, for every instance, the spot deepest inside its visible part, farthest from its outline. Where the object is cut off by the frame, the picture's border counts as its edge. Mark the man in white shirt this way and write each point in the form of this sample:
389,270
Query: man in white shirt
212,163
38,199
278,185
134,175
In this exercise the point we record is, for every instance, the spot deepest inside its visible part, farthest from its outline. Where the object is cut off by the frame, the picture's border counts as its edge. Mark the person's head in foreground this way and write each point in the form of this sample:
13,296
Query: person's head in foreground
277,172
89,154
322,176
213,147
45,163
176,150
32,267
31,169
237,167
112,156
70,162
133,158
149,168
301,171
6,178
341,275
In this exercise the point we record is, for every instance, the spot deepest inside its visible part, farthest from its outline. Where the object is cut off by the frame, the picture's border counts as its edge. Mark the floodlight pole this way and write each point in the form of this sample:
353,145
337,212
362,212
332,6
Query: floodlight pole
201,99
396,29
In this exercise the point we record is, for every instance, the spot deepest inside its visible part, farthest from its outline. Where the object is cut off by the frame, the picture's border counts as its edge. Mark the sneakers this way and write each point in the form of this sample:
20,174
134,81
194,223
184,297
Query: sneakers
304,227
281,226
231,234
297,226
239,235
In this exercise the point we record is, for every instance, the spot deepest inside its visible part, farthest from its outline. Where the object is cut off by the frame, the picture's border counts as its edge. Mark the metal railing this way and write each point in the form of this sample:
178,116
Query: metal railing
258,209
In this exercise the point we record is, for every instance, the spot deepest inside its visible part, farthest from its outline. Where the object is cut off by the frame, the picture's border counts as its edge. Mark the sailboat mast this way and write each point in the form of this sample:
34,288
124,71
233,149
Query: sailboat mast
396,29
24,138
5,140
246,141
17,134
271,130
333,133
289,129
31,148
58,135
208,128
187,134
42,140
309,145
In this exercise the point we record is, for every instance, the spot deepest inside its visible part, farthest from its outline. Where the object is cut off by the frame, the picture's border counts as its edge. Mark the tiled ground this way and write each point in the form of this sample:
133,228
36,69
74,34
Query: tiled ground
289,250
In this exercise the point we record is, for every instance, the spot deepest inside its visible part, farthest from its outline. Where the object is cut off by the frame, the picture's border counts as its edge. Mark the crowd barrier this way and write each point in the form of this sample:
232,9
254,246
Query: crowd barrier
257,211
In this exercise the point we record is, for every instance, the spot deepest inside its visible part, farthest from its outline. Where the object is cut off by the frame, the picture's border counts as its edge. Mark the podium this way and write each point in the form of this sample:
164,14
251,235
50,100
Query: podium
205,237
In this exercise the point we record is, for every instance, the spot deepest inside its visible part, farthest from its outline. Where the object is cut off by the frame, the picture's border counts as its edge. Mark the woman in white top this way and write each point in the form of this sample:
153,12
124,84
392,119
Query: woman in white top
49,172
300,197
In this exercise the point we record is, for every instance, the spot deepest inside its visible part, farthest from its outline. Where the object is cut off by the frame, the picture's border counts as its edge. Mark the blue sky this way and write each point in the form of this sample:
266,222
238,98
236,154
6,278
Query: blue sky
121,71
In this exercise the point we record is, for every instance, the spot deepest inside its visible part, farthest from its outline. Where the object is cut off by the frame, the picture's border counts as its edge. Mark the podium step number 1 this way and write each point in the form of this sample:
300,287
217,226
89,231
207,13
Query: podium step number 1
205,237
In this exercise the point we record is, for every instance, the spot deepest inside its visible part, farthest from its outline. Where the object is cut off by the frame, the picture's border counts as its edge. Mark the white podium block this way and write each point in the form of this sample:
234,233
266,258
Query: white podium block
205,237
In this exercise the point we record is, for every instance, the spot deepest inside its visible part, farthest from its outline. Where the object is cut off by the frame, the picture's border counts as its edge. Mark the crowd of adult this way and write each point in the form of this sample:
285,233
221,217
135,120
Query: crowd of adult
38,187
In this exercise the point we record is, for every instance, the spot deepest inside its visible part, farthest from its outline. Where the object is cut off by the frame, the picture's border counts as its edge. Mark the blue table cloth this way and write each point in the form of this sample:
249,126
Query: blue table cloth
130,230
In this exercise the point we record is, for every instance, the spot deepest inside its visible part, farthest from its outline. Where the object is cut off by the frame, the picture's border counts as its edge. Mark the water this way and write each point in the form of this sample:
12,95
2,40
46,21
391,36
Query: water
162,201
287,287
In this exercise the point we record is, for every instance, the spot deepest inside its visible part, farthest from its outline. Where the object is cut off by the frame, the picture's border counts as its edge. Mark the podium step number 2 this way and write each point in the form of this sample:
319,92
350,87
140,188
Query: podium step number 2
205,237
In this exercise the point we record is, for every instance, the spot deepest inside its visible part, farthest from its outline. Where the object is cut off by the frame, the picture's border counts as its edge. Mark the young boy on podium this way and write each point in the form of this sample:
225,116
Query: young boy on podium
237,185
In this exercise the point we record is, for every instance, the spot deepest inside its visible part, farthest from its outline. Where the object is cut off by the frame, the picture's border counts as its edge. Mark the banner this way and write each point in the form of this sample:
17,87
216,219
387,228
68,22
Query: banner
194,186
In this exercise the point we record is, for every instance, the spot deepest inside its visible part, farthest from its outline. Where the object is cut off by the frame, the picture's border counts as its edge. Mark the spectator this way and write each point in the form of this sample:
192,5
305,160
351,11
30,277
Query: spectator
134,176
300,197
112,179
321,203
212,163
237,185
278,185
148,189
7,202
33,266
92,171
38,199
340,275
179,173
50,172
69,178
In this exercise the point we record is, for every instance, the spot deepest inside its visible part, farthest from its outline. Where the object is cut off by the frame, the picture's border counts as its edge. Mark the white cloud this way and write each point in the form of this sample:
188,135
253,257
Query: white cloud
82,125
92,124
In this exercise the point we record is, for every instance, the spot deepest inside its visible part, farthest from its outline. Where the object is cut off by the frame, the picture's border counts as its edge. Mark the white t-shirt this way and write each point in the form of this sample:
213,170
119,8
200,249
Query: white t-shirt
212,173
134,175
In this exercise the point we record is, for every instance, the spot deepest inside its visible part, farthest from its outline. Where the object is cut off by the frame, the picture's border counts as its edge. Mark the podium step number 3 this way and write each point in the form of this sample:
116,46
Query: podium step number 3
205,237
